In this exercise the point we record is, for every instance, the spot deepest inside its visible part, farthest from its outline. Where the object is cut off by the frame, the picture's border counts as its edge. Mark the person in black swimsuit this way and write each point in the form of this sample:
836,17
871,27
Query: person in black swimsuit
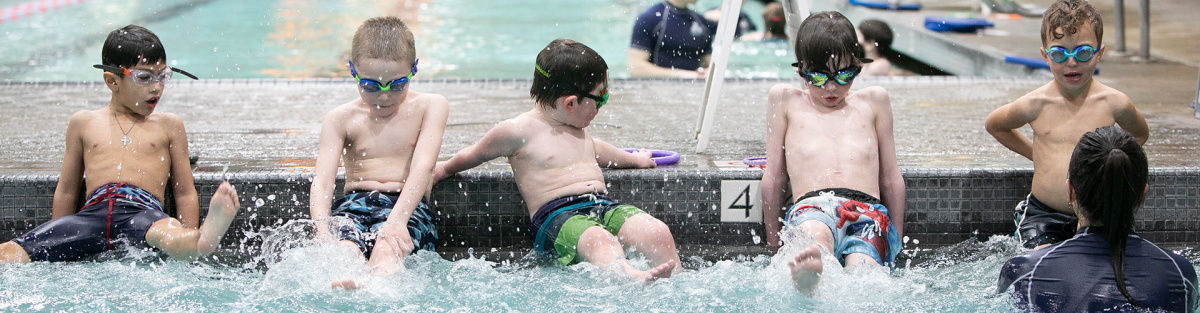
1106,266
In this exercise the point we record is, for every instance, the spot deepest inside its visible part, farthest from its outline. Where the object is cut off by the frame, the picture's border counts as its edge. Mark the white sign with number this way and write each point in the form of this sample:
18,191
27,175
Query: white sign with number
741,201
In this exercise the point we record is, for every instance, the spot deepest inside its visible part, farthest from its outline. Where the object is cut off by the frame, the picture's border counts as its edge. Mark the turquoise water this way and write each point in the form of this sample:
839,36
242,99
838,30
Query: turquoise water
311,38
294,275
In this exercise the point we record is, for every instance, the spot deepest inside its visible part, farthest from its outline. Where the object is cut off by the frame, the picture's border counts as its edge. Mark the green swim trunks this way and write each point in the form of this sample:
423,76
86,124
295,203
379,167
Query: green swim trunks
560,222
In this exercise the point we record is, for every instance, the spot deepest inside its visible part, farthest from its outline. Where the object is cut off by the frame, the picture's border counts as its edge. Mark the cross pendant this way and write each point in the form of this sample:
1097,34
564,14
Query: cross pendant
125,140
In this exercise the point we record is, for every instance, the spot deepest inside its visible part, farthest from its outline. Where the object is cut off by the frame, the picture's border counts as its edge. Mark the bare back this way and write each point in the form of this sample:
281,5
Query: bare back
554,161
831,147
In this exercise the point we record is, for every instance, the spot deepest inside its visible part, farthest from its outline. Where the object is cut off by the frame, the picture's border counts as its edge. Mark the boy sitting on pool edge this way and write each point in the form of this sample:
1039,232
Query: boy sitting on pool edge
556,164
1060,112
388,139
129,153
834,152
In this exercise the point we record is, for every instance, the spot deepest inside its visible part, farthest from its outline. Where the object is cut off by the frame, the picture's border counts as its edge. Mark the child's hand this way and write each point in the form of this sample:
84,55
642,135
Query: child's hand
439,171
396,235
644,158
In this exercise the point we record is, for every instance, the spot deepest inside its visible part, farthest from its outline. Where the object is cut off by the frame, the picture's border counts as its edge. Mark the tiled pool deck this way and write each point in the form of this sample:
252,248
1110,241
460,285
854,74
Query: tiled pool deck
961,184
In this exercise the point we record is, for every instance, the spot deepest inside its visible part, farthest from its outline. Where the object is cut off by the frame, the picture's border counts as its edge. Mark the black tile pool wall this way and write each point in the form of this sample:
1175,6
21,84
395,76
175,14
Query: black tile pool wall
482,208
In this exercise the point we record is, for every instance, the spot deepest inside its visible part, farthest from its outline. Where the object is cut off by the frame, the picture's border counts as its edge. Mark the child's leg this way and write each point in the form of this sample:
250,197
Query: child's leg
806,267
652,238
601,248
185,243
11,252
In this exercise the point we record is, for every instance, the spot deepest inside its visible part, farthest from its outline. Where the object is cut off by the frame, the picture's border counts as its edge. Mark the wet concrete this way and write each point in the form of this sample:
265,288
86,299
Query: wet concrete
275,124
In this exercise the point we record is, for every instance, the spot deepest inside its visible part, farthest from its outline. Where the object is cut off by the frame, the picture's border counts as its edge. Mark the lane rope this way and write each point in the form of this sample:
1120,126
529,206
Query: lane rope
34,7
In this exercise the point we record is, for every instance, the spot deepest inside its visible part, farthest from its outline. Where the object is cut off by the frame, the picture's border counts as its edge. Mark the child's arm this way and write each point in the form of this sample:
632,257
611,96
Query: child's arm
891,184
1004,122
610,156
774,185
502,140
329,155
187,204
1128,117
420,173
66,194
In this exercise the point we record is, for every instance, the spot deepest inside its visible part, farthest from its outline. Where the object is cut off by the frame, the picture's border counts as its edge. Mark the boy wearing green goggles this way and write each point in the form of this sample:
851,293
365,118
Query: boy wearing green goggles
556,163
1060,112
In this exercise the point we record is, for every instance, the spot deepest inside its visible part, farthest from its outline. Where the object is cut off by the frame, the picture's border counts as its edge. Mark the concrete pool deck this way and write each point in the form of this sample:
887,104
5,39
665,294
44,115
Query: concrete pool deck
262,136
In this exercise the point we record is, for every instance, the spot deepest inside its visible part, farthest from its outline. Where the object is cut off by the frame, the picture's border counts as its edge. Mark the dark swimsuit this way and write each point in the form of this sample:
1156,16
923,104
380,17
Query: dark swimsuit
368,210
1039,224
675,37
1076,275
113,211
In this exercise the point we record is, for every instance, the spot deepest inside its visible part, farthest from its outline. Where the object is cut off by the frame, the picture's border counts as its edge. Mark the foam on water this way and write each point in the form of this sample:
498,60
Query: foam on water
294,274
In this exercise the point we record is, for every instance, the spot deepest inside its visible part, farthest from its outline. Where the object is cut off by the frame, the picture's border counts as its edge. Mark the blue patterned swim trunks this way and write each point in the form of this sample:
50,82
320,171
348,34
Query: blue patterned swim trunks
368,210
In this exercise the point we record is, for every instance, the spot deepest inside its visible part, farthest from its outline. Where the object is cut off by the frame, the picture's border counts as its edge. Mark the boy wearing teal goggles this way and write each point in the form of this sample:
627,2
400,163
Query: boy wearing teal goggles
388,138
1060,112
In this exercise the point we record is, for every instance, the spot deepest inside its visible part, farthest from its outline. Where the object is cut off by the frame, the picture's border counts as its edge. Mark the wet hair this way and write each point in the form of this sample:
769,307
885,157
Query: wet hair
1109,172
1070,15
132,45
877,31
564,68
824,36
384,38
774,21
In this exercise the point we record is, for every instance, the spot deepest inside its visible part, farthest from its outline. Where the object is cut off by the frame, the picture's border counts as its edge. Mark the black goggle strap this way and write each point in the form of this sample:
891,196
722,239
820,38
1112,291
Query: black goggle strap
123,71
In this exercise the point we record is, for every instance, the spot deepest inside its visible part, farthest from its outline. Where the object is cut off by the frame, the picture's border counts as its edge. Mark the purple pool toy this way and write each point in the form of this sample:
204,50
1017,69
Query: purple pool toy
755,161
660,157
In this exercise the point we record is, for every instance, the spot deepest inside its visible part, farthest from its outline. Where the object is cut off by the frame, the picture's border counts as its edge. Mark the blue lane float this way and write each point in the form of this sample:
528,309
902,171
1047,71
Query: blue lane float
887,5
660,157
1033,62
958,25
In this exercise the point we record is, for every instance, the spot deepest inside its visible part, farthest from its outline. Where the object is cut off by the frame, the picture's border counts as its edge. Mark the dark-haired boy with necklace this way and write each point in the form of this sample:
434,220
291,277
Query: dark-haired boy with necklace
556,163
1060,112
833,152
388,139
130,155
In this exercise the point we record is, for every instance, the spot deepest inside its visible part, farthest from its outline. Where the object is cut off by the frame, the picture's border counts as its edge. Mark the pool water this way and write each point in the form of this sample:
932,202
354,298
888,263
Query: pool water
292,274
311,38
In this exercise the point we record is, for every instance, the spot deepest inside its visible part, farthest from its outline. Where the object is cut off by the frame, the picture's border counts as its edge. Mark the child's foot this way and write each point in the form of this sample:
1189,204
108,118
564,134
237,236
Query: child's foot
661,271
221,210
806,270
348,284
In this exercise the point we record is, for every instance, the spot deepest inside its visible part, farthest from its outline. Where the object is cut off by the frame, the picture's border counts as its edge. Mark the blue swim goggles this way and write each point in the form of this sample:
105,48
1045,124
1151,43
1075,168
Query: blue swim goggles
371,85
1059,54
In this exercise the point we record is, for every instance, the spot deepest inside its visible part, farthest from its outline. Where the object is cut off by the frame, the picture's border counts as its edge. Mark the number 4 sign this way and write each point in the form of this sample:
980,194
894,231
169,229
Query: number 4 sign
741,201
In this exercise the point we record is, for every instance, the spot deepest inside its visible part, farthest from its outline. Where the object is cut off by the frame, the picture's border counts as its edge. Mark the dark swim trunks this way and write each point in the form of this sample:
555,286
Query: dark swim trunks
558,224
1076,275
113,211
1039,224
368,210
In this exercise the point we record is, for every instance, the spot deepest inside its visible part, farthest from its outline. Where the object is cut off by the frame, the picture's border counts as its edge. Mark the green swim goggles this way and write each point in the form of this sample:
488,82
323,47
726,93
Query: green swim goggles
371,85
1059,54
819,79
601,99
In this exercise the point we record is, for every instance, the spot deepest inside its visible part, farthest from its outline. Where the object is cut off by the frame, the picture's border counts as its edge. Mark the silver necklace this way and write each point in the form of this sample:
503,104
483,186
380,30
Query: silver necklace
124,134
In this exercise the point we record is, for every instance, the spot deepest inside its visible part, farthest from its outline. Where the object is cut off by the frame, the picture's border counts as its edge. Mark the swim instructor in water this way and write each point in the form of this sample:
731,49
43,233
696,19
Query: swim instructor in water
1106,265
670,40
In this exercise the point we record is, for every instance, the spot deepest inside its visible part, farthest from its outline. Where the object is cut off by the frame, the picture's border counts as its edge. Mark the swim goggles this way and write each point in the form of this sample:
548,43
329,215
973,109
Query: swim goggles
145,77
371,85
1059,54
600,99
819,79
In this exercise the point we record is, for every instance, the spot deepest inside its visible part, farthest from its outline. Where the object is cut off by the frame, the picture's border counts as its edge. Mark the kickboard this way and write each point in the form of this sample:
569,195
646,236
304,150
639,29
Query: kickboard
960,25
886,5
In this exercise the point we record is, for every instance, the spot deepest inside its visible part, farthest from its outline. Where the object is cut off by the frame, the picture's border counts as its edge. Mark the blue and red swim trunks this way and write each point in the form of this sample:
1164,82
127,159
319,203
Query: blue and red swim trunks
114,215
859,222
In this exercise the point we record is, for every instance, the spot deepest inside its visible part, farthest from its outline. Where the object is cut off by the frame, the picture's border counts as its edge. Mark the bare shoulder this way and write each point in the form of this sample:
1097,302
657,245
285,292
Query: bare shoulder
83,117
874,96
783,91
1112,97
344,112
